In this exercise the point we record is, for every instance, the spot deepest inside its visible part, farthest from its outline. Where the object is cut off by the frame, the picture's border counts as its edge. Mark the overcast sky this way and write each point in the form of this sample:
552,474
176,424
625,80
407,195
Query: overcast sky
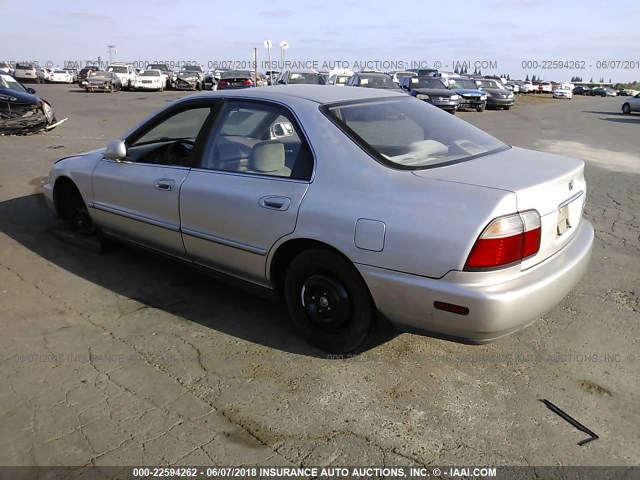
503,31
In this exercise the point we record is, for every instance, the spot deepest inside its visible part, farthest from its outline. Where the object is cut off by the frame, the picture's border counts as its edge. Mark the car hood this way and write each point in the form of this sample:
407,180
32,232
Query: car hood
434,91
496,91
10,95
90,155
540,180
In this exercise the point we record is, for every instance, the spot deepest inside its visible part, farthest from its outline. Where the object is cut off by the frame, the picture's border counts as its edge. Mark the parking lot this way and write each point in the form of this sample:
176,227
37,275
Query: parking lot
126,358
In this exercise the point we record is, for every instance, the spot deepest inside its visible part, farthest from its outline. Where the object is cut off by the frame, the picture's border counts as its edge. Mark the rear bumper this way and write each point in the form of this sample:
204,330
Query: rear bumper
496,308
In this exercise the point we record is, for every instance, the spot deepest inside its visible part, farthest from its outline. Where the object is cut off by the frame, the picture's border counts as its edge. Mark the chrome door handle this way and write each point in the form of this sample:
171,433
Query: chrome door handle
275,202
164,184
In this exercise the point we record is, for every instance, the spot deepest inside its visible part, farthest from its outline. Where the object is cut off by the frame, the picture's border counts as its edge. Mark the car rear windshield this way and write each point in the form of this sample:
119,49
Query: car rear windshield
117,69
410,134
150,73
236,74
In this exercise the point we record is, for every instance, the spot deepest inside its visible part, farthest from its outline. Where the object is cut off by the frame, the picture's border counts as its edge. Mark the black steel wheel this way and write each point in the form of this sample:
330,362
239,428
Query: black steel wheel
80,221
328,301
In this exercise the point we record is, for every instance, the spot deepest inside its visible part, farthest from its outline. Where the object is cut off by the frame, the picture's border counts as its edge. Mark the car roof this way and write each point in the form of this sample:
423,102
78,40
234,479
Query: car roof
314,93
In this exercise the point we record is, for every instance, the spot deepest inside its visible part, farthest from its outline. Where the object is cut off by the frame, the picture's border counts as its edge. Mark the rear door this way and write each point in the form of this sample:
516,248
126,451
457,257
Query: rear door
245,194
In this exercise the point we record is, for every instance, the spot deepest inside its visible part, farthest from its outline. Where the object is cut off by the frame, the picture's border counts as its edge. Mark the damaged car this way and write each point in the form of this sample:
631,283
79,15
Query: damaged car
103,82
191,77
21,112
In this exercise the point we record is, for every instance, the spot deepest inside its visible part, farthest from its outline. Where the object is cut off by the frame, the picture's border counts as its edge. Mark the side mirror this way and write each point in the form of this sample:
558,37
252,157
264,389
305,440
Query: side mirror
31,90
116,150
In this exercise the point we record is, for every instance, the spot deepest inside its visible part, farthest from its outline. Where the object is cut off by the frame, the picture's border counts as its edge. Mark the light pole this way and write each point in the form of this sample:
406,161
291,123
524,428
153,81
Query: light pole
283,46
267,45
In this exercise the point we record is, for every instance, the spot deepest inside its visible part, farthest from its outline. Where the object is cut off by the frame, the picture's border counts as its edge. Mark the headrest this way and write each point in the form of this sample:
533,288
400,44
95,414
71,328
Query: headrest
268,157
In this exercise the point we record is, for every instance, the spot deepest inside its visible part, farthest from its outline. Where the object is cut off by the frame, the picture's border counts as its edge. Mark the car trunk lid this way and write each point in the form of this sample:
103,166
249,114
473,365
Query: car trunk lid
552,185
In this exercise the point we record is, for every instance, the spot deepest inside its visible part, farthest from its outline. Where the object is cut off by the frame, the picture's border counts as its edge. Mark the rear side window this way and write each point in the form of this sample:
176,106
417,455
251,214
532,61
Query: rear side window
407,133
260,139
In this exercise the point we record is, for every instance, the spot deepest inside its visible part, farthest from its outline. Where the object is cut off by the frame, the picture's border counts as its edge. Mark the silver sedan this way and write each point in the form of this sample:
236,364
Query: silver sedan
351,204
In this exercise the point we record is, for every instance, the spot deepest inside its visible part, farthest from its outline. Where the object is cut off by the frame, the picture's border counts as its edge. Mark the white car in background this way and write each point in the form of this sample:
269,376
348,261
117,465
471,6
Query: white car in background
150,79
125,72
526,86
631,104
26,72
5,67
397,76
339,80
546,87
563,91
61,76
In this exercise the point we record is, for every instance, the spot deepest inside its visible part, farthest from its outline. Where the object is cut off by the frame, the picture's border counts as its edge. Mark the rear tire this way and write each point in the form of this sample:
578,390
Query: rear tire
626,109
328,301
479,109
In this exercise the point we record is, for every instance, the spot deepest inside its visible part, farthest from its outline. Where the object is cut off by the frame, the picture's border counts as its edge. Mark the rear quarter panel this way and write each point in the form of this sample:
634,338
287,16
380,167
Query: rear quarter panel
431,225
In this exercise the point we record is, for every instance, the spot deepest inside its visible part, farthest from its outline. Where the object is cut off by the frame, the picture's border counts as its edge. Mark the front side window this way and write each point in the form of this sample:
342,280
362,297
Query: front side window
258,138
171,141
409,134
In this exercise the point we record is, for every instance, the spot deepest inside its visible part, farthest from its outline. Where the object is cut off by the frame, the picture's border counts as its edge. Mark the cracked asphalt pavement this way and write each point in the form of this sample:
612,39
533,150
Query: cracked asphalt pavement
127,358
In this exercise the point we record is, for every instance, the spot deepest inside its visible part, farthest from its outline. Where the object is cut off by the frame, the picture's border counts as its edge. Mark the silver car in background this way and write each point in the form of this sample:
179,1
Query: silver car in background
348,203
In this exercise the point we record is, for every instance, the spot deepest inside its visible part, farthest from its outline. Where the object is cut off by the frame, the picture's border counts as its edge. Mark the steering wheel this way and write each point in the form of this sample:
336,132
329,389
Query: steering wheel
178,152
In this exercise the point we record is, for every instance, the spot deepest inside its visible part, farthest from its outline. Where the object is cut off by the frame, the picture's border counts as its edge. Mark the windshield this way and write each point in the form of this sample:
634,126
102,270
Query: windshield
7,81
426,83
63,72
490,84
98,75
117,69
192,68
303,77
4,65
405,74
462,83
377,81
158,66
150,73
409,134
236,74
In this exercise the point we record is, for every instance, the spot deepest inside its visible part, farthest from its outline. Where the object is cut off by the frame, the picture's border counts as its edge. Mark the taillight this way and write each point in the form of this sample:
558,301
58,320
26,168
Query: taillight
247,81
505,241
223,83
